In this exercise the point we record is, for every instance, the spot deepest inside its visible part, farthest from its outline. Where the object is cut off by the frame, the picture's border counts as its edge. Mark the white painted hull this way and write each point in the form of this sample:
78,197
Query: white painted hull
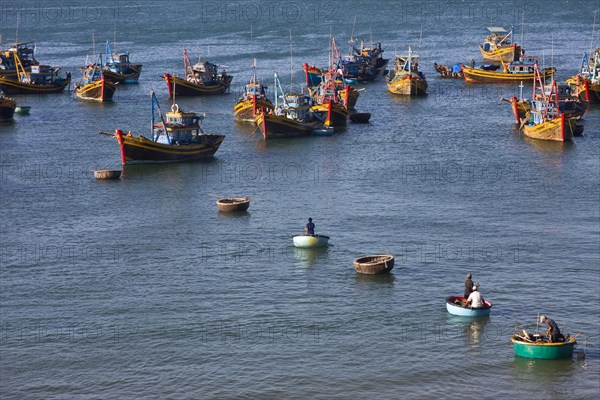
309,241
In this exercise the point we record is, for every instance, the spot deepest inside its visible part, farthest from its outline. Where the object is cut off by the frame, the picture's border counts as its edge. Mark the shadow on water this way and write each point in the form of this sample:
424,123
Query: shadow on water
233,215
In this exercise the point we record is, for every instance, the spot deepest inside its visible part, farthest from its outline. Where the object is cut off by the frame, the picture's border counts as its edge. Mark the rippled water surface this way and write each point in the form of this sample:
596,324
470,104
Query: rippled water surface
139,288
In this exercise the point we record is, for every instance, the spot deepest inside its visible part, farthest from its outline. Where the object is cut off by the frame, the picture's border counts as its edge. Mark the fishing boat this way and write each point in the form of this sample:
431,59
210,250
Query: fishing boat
177,138
447,71
498,46
233,204
95,86
200,79
587,83
253,99
42,79
293,118
521,70
406,78
311,241
7,107
374,264
546,121
118,68
327,106
568,103
374,54
25,52
537,346
456,305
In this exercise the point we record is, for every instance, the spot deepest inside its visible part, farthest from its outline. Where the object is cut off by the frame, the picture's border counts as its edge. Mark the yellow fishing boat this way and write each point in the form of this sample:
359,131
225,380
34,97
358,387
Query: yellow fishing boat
587,83
253,100
328,107
516,71
7,107
406,78
498,46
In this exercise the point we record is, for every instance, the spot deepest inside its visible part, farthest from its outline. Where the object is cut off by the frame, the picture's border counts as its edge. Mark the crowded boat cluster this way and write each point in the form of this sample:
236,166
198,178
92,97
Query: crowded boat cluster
327,105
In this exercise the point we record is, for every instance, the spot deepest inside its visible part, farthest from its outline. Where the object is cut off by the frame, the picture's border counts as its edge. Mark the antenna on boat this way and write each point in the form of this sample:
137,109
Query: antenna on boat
114,49
523,29
593,29
420,37
291,63
17,32
93,46
352,35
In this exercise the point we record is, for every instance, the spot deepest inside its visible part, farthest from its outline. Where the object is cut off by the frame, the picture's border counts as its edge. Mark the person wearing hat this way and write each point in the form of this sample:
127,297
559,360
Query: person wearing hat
475,299
552,333
310,227
468,286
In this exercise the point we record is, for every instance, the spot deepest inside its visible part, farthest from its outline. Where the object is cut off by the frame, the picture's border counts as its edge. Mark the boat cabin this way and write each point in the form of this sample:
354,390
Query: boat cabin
297,106
42,75
525,65
254,89
25,52
181,126
498,38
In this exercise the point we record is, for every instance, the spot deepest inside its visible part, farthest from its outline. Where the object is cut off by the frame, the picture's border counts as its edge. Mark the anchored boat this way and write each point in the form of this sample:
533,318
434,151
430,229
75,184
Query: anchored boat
291,119
311,241
327,106
200,79
498,46
233,204
375,264
447,71
41,80
253,99
522,70
95,86
537,346
587,83
119,69
7,107
177,138
406,78
456,305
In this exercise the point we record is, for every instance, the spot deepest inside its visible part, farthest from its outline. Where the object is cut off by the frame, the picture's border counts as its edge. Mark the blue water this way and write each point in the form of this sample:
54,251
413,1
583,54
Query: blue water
139,288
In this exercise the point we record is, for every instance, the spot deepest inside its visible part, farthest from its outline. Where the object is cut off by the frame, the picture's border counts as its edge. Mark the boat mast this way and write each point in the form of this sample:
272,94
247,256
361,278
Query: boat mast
593,29
291,64
523,29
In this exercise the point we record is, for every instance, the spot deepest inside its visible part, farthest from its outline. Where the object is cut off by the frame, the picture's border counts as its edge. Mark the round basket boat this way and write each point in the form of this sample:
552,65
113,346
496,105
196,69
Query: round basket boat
107,174
525,347
311,241
455,306
375,264
233,204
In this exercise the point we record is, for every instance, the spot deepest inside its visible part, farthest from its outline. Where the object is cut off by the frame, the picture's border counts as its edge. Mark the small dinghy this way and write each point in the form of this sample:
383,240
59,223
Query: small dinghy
360,118
537,346
375,264
107,174
233,204
311,241
22,110
456,306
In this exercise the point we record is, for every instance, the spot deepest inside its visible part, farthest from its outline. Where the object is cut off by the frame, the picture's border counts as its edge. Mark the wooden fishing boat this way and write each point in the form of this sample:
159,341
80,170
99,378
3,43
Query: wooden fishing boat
374,54
456,305
95,86
233,204
537,346
568,103
118,68
42,79
311,241
587,83
200,79
290,119
312,74
406,78
327,106
7,108
253,99
25,53
178,138
498,46
447,71
546,121
522,70
107,174
375,264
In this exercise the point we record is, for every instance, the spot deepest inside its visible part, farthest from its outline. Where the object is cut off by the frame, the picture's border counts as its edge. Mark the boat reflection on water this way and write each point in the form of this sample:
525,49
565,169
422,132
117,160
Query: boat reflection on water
471,329
310,257
543,371
364,281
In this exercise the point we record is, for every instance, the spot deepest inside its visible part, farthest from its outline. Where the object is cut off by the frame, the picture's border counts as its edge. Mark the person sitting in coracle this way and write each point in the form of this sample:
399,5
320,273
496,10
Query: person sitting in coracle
553,333
310,227
475,299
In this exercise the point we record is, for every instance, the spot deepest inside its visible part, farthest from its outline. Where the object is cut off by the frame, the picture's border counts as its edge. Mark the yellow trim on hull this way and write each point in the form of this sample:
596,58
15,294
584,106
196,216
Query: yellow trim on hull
475,75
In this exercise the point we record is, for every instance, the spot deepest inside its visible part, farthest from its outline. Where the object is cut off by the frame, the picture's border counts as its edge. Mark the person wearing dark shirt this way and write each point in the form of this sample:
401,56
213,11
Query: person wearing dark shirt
468,286
310,227
553,333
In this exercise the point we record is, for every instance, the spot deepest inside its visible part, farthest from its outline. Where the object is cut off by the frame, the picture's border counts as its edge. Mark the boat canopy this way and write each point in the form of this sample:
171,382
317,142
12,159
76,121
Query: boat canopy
496,29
